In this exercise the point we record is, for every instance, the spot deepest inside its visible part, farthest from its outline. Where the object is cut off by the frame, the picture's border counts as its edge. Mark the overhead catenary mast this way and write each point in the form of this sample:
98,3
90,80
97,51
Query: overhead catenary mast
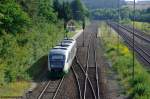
133,34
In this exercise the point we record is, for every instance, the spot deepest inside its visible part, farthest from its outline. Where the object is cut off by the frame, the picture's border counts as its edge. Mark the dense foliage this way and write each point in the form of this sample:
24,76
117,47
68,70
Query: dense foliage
28,29
46,10
141,15
71,10
12,18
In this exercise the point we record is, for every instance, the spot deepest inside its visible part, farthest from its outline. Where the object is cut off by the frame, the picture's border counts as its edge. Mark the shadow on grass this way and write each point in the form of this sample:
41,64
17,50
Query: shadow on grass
38,69
38,72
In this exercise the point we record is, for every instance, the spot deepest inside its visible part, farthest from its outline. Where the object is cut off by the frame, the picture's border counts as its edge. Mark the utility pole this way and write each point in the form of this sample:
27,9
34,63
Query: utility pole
118,27
65,28
133,41
83,27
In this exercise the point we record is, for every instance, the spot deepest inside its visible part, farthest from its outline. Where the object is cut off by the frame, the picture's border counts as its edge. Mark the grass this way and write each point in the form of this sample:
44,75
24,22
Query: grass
71,34
137,88
14,88
143,26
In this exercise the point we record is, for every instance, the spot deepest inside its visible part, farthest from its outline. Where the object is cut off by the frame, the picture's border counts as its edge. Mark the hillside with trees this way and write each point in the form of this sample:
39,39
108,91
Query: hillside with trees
28,30
125,13
140,5
95,4
71,10
26,34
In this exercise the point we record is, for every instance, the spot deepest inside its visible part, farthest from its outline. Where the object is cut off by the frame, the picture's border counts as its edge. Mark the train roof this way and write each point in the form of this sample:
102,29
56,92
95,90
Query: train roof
63,47
58,50
68,39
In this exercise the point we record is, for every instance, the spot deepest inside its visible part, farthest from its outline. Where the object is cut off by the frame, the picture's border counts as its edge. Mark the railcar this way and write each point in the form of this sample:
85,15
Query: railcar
60,58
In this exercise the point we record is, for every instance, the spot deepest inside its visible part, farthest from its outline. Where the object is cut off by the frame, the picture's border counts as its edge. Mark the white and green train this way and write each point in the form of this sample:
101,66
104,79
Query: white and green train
60,58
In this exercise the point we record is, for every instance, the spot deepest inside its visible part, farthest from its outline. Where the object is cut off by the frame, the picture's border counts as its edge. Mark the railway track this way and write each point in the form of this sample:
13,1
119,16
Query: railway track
87,77
51,89
97,76
83,81
78,82
92,69
88,73
81,77
138,33
141,51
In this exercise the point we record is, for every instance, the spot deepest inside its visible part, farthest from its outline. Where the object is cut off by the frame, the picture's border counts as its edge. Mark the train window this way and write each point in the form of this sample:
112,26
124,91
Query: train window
57,60
67,42
56,63
56,57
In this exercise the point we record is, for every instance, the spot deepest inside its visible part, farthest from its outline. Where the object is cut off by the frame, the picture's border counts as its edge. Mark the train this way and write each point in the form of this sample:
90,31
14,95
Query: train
61,56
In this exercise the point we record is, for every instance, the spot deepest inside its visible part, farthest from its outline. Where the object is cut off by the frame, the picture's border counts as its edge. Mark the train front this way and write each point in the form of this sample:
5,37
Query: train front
56,64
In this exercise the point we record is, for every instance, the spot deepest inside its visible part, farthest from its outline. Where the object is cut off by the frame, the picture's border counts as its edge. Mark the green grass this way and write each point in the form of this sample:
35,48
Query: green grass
71,34
143,26
137,88
14,88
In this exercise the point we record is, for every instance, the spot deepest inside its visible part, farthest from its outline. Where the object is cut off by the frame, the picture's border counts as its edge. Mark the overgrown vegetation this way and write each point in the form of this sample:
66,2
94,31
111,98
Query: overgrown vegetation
28,30
137,88
143,26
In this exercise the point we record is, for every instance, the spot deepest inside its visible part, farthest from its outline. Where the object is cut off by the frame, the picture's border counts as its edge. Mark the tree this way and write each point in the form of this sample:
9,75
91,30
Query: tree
125,12
67,12
46,10
56,5
29,6
14,20
78,10
148,10
1,16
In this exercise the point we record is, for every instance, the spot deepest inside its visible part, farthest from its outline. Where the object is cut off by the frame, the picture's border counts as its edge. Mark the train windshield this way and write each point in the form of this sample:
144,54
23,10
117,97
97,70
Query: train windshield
57,57
57,60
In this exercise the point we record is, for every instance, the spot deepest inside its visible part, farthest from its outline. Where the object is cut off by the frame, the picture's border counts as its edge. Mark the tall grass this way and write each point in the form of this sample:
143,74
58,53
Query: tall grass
137,88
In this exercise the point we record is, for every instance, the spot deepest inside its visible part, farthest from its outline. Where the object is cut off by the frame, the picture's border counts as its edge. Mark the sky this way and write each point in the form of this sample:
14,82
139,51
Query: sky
137,0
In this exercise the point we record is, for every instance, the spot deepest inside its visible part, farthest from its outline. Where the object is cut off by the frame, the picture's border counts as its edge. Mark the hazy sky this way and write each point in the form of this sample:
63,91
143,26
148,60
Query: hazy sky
138,0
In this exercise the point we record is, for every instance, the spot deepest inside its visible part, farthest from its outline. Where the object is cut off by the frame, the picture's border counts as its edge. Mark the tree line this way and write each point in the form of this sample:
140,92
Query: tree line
94,4
123,13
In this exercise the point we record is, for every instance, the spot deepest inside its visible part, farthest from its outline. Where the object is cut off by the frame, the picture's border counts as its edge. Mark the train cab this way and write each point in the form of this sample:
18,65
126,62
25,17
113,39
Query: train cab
57,59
